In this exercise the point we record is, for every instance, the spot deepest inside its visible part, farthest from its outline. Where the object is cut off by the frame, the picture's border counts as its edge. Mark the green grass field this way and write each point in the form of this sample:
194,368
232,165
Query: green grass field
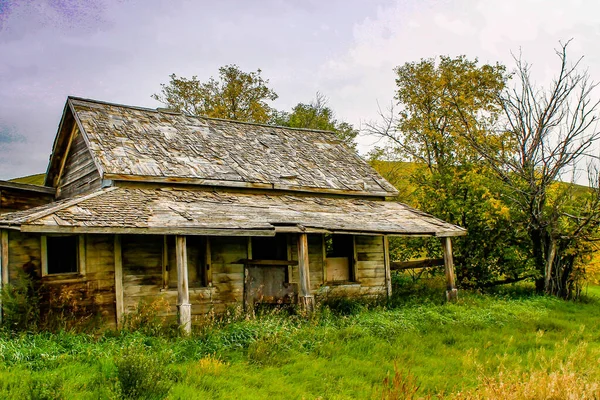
486,346
37,179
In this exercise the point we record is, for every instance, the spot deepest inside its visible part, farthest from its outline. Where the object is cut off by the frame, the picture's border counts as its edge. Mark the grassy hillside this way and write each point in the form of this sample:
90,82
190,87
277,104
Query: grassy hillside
506,346
37,179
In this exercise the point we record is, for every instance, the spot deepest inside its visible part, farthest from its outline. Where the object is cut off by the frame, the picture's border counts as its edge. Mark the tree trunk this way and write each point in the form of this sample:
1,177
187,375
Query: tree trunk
548,287
537,245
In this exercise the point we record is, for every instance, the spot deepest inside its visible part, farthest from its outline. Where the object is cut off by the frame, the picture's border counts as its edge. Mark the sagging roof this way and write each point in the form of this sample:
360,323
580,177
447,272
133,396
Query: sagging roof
175,211
26,187
133,143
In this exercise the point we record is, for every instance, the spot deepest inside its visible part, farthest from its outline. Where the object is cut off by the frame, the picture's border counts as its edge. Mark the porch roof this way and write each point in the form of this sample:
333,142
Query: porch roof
170,210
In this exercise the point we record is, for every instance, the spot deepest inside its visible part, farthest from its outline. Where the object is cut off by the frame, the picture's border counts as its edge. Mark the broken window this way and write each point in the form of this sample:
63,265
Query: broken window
270,248
197,261
339,257
61,254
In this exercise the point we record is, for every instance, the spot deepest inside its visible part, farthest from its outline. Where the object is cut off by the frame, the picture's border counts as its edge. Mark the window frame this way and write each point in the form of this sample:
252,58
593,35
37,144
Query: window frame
352,263
80,256
203,264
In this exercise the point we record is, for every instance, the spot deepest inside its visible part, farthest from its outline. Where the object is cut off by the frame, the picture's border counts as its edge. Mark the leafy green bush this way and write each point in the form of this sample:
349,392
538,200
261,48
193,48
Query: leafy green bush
21,304
143,374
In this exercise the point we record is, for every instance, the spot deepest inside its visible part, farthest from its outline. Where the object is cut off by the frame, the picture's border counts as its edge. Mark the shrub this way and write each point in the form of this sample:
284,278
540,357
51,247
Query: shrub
21,304
150,318
69,309
142,374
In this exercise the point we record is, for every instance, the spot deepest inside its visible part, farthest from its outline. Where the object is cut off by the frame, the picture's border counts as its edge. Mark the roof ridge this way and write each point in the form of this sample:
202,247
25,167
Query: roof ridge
201,116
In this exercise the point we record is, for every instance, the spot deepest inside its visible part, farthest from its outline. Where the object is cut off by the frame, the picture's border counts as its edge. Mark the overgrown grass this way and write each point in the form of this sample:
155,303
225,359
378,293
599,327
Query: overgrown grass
509,344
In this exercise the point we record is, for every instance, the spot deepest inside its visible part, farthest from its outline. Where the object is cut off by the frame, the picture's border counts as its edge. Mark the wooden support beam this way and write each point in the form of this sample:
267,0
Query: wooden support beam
65,155
290,268
183,293
208,263
451,292
44,251
417,264
386,261
119,302
306,299
165,263
354,261
324,248
81,254
3,264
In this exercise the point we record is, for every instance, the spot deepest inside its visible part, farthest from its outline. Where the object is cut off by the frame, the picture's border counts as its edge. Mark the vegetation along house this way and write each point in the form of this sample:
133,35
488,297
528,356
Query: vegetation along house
142,204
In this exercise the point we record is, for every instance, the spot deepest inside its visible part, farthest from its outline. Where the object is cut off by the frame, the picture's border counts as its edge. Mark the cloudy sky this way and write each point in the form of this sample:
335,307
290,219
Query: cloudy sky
120,51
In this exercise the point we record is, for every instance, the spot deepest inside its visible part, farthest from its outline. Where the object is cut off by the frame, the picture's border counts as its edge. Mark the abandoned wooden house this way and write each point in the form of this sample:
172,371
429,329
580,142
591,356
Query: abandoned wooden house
207,213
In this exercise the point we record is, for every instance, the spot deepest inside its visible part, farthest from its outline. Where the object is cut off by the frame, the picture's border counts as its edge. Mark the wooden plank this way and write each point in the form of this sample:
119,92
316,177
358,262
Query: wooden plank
66,155
324,248
249,247
81,253
3,264
290,268
354,260
307,300
119,303
165,263
183,294
428,263
144,230
388,272
208,263
27,187
266,262
338,269
44,254
451,292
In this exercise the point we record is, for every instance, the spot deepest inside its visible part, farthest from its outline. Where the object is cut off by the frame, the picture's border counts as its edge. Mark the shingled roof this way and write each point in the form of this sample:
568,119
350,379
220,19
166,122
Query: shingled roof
132,143
169,210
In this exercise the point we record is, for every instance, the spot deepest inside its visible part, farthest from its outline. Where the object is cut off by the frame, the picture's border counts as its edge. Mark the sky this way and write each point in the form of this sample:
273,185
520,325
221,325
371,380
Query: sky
121,51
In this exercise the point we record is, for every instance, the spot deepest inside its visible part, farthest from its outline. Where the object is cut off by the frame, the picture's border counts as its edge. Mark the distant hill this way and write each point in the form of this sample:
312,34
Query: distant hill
37,179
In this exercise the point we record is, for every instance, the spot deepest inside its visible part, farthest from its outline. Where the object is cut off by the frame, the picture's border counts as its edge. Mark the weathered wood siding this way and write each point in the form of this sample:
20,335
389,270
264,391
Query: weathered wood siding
315,260
24,253
79,174
142,272
16,200
370,264
370,267
142,257
96,285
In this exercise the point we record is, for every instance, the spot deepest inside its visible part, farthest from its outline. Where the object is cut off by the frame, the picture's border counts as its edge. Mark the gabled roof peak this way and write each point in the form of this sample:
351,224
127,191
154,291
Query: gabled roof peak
144,144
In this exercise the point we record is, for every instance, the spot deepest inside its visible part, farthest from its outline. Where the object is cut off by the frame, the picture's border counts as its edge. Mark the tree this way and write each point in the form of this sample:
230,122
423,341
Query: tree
317,115
549,133
234,95
438,100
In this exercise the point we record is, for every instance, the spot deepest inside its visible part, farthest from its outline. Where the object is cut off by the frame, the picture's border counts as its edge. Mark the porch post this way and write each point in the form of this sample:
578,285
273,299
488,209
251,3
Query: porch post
119,303
306,299
451,292
4,257
3,264
388,272
183,295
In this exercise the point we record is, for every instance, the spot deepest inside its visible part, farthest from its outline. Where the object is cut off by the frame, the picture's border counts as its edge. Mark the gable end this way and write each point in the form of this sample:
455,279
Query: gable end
72,169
